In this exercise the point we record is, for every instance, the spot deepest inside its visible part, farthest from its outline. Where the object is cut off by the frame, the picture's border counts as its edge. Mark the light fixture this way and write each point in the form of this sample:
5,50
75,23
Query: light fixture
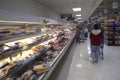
78,15
76,9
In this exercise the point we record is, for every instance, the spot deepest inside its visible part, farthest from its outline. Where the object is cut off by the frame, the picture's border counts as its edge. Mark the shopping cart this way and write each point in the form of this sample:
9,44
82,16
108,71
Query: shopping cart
82,35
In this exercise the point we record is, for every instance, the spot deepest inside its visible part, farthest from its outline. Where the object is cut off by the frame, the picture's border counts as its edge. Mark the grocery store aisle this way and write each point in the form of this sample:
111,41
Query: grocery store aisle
107,69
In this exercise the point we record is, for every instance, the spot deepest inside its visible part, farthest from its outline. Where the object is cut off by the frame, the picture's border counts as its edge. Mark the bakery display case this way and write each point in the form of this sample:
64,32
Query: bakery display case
36,55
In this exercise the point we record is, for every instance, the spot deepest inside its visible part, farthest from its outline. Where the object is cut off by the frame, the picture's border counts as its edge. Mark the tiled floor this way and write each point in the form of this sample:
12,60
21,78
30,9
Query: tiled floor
107,69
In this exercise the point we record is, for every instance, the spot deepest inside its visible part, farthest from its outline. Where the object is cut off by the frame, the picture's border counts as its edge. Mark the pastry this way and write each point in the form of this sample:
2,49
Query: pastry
27,74
40,68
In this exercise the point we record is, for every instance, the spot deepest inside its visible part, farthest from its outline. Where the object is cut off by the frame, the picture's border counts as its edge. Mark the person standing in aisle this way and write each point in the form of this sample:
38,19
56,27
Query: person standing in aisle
77,36
102,46
85,33
96,36
101,49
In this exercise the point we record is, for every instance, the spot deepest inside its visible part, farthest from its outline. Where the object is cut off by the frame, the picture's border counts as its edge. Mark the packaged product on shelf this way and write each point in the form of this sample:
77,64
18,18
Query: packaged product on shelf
16,46
119,41
31,31
2,74
14,60
5,49
48,52
26,55
33,77
35,50
34,38
3,64
39,38
4,70
29,41
31,52
18,32
23,43
27,74
55,54
4,34
40,68
9,79
19,78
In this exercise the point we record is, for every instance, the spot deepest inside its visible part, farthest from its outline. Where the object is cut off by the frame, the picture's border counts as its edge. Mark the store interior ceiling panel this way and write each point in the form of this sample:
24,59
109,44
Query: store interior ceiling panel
65,6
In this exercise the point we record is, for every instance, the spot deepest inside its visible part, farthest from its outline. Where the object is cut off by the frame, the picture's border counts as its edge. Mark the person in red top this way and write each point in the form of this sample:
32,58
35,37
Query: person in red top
96,36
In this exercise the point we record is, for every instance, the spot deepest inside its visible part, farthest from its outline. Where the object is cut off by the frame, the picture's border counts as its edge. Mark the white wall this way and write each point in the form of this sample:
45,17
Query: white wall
26,10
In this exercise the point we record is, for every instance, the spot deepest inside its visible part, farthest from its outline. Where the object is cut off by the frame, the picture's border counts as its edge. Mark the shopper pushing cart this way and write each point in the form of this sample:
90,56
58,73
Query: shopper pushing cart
85,33
81,34
96,36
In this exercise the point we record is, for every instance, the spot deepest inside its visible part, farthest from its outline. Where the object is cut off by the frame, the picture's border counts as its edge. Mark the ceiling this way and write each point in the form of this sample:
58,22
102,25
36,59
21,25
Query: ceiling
65,6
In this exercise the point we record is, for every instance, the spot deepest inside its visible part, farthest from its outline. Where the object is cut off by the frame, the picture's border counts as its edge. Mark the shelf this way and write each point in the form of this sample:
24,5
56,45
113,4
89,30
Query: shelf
113,44
24,37
46,75
18,38
8,54
12,24
17,68
6,23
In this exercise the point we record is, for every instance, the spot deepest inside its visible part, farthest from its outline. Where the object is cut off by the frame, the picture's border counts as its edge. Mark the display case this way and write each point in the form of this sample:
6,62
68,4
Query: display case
33,56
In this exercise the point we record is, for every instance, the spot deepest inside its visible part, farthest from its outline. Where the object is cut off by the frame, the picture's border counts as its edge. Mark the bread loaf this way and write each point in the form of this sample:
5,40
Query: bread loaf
40,68
27,74
35,49
19,79
42,71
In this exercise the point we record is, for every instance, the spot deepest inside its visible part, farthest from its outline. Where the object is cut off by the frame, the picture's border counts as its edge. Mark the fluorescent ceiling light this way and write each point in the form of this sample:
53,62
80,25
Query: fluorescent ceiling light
78,15
76,9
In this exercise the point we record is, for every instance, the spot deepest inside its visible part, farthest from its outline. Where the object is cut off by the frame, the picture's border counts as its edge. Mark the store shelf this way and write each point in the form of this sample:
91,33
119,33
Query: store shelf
5,55
113,44
17,24
24,37
6,23
46,75
17,68
113,30
18,38
9,54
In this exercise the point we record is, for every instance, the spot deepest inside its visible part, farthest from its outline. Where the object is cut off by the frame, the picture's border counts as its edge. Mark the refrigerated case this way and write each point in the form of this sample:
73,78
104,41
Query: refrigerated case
32,54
